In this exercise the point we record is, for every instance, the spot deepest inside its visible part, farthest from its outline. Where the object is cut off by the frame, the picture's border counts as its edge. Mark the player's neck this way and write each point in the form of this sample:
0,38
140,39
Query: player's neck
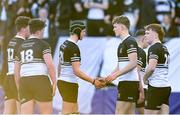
124,35
22,35
34,36
74,38
156,41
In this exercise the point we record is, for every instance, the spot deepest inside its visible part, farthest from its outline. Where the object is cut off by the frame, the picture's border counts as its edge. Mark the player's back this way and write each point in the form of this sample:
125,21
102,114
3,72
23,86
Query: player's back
12,52
31,57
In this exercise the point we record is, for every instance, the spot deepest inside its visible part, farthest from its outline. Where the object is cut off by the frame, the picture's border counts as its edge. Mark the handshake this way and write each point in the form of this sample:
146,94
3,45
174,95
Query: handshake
100,82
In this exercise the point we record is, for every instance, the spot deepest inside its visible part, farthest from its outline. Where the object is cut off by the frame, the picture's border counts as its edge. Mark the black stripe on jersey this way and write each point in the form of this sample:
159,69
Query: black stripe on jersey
32,62
131,50
161,66
122,59
75,59
140,63
153,56
143,69
46,51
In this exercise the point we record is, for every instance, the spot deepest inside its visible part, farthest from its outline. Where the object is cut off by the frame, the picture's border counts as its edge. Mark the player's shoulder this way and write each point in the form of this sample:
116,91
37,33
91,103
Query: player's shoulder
71,45
156,46
130,39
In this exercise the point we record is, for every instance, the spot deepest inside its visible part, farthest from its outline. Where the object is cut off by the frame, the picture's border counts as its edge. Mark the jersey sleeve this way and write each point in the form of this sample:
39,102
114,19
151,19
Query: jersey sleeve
75,55
140,61
46,48
131,46
17,57
153,53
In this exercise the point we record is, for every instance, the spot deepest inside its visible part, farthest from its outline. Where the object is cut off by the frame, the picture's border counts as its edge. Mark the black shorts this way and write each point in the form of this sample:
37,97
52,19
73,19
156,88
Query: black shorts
128,91
68,91
139,105
10,88
156,96
35,87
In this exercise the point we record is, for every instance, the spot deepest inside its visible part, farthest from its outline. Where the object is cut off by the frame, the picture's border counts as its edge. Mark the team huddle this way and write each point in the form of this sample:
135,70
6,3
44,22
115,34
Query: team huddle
31,76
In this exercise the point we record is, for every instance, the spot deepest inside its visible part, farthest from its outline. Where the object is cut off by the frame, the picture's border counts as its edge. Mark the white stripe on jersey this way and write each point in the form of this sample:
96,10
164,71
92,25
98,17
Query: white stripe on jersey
33,69
130,76
10,68
159,78
67,74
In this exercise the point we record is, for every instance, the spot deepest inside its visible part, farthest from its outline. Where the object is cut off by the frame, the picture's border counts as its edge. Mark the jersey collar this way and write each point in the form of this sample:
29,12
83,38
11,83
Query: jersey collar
71,40
125,37
18,36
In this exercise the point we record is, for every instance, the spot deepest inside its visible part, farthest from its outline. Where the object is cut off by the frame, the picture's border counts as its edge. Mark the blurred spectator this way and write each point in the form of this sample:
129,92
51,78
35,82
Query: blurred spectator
52,10
3,19
24,9
49,34
163,7
38,4
169,27
64,13
177,14
78,12
96,15
115,9
147,13
131,10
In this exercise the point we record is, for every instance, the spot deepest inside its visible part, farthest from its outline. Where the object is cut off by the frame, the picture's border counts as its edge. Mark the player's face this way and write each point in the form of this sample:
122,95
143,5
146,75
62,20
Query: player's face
145,42
83,33
149,36
117,28
41,33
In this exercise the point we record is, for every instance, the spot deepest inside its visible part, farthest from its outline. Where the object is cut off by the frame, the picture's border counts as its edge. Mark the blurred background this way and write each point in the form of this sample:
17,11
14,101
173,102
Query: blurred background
98,49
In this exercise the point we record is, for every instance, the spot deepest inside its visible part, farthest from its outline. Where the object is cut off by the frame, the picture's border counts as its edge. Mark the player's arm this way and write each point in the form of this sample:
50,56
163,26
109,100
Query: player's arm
17,67
77,71
141,90
48,60
130,66
59,68
150,69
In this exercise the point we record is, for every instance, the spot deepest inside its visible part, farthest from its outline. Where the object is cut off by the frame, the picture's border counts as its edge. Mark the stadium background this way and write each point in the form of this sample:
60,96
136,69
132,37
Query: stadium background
98,49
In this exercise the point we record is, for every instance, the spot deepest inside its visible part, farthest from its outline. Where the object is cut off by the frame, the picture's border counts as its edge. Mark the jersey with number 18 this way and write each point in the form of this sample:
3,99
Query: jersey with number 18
30,55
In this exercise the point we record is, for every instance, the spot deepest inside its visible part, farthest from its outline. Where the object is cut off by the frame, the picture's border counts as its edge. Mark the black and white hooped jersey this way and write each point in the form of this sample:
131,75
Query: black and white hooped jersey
159,77
142,63
128,46
12,52
69,52
30,54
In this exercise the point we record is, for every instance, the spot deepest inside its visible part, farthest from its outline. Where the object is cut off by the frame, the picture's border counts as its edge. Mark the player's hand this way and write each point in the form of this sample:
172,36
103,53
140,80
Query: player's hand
98,84
141,94
102,80
54,89
110,78
146,82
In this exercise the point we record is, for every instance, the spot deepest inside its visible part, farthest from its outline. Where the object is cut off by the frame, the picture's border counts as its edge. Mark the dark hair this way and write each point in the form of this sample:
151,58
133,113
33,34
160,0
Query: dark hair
122,20
76,27
140,32
21,22
158,29
35,25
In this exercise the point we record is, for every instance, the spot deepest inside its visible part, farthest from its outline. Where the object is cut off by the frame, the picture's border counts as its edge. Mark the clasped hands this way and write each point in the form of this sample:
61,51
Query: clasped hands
101,82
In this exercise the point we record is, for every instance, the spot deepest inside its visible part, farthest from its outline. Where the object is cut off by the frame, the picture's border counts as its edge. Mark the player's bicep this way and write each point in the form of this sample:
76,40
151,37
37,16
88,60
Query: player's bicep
152,64
48,59
75,66
133,57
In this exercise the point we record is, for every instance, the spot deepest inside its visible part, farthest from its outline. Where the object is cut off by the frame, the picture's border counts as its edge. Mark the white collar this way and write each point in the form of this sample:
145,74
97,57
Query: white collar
71,40
18,36
32,37
125,37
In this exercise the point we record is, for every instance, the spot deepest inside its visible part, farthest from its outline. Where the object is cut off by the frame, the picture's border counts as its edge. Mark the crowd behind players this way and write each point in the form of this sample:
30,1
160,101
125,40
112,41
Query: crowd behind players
97,14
